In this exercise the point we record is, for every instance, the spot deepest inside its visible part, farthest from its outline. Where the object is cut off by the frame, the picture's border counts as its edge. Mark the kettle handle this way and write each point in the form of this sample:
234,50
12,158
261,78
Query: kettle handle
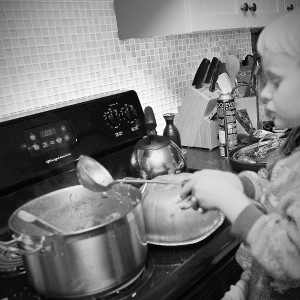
150,121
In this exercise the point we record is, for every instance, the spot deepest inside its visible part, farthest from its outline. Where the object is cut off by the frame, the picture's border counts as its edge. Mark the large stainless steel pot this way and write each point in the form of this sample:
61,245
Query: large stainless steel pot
155,155
105,245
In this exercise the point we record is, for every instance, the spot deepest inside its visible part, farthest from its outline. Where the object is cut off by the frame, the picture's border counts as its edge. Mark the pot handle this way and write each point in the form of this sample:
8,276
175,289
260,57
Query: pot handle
7,246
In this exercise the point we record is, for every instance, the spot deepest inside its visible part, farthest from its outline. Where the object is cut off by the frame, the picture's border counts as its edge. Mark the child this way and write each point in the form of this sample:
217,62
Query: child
272,239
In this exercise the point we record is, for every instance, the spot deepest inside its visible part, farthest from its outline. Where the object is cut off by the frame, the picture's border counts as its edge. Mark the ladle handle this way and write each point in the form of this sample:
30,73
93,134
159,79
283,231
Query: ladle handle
147,181
30,218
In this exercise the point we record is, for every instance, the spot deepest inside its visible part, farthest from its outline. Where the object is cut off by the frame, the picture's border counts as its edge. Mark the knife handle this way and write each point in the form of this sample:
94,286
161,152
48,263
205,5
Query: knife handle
203,69
196,75
199,70
211,69
215,77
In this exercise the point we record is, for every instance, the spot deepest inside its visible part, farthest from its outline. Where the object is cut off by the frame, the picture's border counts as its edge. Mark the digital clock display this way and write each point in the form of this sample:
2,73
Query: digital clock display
47,132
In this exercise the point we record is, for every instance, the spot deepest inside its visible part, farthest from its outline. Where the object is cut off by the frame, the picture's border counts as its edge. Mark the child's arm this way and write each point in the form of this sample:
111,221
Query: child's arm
274,239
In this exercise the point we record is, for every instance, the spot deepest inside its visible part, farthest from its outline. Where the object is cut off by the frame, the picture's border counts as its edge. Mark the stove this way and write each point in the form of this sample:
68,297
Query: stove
39,156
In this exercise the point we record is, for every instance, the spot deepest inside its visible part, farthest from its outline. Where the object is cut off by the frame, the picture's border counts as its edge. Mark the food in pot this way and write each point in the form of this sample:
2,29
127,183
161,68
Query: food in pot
73,212
166,223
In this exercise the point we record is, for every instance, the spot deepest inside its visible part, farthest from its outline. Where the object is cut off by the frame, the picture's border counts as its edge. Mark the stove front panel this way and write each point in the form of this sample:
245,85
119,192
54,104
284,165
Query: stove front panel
50,142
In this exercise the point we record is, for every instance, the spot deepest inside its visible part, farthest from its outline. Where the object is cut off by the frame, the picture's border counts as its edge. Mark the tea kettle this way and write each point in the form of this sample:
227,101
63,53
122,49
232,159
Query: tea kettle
155,155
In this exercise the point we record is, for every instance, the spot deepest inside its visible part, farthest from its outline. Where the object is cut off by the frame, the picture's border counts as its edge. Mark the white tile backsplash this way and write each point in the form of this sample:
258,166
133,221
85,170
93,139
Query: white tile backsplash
54,52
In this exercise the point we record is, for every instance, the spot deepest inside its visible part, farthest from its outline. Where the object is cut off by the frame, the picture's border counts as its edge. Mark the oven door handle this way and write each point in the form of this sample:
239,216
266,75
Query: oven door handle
9,246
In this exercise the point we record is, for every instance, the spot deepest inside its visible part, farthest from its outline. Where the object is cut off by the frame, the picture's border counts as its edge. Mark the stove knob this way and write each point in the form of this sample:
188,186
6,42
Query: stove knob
113,117
130,113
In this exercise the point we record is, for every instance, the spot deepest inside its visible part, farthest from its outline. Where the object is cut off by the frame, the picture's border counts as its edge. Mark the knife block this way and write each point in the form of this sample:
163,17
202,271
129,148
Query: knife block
196,130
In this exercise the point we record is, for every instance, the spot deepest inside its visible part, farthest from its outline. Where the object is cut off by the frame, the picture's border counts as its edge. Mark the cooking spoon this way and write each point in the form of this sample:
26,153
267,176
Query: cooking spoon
92,175
30,218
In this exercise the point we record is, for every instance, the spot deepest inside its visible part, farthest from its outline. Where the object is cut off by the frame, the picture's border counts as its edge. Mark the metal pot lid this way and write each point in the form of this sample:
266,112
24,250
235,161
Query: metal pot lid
166,223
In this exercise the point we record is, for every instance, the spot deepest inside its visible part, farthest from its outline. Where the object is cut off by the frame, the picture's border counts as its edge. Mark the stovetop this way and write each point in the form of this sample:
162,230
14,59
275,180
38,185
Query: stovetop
160,281
40,156
169,270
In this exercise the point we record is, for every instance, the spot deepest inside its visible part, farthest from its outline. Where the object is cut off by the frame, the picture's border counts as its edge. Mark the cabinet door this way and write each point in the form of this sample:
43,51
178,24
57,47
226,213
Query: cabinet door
146,18
215,14
290,5
266,11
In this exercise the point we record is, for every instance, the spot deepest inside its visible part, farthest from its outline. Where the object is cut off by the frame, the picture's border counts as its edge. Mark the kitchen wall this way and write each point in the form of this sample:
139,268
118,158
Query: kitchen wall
53,52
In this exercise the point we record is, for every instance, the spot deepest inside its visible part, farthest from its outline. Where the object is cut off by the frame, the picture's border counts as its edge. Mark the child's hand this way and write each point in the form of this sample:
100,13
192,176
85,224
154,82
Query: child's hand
214,189
210,188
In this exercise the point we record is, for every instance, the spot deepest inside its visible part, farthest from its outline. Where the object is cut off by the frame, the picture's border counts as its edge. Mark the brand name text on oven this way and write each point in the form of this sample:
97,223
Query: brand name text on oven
57,158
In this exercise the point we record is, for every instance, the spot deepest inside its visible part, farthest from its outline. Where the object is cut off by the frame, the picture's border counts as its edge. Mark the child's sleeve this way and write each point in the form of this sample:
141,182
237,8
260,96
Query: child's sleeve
274,239
239,291
252,183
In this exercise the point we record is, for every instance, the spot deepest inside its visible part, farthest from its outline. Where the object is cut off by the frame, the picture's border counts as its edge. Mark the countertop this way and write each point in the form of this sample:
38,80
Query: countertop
200,158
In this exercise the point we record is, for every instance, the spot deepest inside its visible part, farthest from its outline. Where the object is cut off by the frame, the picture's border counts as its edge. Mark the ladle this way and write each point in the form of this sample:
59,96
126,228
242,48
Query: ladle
30,218
92,175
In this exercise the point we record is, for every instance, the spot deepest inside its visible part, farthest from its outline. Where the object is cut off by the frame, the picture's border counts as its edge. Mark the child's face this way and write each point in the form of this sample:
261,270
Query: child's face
282,89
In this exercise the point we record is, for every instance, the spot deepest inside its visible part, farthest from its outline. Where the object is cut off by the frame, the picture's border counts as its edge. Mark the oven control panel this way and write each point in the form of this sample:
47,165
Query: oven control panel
52,141
49,137
117,114
122,119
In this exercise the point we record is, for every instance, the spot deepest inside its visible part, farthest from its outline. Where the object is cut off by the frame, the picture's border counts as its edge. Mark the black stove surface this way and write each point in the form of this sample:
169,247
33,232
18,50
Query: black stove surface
181,272
169,270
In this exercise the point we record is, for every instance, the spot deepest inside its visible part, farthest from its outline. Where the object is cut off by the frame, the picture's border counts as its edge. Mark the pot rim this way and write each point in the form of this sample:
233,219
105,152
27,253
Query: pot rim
88,230
91,231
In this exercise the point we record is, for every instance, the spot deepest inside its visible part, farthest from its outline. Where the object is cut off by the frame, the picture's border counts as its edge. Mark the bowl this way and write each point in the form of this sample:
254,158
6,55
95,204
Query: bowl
253,157
240,166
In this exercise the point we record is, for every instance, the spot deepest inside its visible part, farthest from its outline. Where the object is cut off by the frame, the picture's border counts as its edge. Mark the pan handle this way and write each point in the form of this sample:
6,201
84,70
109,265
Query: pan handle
8,246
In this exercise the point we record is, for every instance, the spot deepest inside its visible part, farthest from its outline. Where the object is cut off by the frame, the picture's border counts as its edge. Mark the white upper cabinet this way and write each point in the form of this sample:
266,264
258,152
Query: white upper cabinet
262,12
146,18
215,14
228,14
290,5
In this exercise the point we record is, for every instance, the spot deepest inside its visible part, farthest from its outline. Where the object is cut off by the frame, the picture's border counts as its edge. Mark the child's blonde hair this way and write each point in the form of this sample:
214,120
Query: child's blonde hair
282,36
